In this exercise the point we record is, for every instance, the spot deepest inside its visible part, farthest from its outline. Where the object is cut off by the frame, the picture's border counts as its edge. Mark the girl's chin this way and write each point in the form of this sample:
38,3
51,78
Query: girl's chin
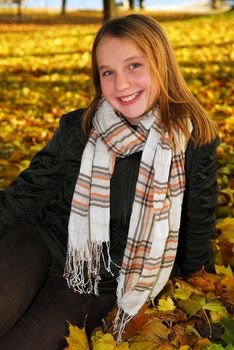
129,116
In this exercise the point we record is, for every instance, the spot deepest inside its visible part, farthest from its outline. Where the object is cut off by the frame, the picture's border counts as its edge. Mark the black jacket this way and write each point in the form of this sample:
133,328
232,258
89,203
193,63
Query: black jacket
41,195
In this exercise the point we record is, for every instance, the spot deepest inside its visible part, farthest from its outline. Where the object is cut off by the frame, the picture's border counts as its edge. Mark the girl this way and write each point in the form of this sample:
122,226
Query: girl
112,193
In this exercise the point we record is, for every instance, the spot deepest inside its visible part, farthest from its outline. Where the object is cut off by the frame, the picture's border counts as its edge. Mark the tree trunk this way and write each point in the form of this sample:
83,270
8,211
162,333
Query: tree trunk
141,4
131,4
108,9
63,8
19,12
215,4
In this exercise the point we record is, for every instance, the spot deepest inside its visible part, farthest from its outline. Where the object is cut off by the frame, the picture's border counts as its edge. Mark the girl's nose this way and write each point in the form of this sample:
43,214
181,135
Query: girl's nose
121,82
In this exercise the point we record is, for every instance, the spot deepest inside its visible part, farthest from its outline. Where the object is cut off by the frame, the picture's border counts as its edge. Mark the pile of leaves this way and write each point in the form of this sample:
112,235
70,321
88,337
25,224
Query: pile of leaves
194,314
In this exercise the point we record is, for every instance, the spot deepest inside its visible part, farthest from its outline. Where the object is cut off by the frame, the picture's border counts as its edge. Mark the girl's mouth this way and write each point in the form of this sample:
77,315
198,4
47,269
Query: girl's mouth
130,98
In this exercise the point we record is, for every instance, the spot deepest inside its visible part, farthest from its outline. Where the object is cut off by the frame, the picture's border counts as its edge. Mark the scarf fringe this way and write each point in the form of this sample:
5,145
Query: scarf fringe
121,320
86,263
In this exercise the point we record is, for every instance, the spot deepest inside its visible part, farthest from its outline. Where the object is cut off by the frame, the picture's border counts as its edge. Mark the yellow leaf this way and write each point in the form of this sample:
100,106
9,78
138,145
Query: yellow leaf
77,339
227,228
203,342
122,346
222,270
143,346
184,347
182,294
150,311
166,304
188,287
102,341
214,306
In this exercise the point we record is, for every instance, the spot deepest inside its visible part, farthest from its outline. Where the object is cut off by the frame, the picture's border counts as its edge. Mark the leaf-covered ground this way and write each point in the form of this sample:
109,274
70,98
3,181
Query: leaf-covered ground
45,72
193,314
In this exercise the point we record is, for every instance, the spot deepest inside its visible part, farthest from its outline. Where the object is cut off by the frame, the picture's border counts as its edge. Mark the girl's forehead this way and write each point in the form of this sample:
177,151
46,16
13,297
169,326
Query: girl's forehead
118,41
110,45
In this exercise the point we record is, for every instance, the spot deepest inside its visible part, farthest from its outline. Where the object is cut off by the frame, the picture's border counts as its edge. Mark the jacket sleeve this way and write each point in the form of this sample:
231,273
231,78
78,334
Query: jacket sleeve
198,209
36,185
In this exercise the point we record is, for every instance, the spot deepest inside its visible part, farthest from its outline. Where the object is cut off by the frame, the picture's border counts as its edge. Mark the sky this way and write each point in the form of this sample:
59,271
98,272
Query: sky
97,4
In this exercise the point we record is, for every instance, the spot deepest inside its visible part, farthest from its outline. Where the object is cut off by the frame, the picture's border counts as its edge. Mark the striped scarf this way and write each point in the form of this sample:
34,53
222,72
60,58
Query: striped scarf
155,220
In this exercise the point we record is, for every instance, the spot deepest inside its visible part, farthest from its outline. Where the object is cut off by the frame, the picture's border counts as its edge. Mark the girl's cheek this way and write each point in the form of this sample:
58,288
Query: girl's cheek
106,85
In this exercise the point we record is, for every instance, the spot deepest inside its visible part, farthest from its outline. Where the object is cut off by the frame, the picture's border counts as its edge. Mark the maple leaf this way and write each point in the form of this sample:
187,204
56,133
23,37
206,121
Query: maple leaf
188,287
204,280
222,270
182,294
214,306
77,339
192,305
101,341
153,333
228,282
226,291
166,304
227,228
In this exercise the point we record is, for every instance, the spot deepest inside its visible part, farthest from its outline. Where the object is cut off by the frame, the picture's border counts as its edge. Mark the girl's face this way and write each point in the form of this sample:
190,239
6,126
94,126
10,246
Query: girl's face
126,79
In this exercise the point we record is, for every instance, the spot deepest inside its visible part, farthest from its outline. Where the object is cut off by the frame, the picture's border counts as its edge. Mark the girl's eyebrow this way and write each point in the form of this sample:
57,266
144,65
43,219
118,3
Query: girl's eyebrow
104,66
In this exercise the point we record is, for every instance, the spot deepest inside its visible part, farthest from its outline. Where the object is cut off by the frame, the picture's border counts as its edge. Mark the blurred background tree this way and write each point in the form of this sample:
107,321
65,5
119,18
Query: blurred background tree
63,8
108,9
18,3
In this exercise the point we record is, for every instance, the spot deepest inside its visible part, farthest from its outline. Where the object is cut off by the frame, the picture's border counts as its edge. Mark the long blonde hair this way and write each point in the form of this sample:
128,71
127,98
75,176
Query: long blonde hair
175,101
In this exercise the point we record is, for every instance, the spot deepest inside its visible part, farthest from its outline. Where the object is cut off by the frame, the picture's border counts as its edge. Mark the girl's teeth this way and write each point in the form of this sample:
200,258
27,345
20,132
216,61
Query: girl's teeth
129,98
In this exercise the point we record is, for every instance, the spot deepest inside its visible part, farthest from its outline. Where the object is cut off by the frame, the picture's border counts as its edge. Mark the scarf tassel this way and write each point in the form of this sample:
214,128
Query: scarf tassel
121,320
82,268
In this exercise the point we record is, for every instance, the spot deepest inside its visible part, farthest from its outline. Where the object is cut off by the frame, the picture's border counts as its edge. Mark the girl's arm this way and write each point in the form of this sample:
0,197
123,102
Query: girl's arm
36,185
198,210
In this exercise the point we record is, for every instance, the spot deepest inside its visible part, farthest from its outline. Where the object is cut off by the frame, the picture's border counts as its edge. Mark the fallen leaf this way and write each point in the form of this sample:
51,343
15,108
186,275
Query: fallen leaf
145,345
182,294
214,306
192,305
227,228
77,339
204,280
166,304
222,270
188,287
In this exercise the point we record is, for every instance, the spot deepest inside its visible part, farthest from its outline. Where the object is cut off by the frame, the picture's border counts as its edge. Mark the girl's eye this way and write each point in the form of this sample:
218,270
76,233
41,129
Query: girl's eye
134,66
107,73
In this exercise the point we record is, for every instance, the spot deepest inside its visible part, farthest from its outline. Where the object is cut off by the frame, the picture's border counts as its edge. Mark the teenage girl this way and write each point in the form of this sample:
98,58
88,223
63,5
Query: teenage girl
125,188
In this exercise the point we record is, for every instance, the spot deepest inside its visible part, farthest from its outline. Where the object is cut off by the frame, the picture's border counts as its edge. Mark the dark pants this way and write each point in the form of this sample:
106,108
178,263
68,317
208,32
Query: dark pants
35,302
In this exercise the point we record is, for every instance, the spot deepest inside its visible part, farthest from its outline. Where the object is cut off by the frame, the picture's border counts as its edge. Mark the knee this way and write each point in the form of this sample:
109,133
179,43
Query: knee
24,265
7,314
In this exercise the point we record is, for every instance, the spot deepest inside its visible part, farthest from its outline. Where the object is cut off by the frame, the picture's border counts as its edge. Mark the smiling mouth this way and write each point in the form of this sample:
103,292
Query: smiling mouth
130,98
